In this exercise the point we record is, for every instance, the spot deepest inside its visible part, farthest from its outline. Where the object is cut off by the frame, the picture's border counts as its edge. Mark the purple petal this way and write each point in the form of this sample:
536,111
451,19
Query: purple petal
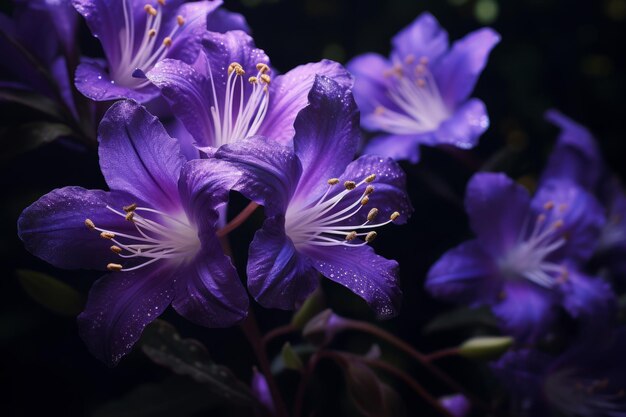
261,391
389,188
93,81
224,48
457,405
270,171
497,208
64,18
278,276
574,213
361,270
223,21
464,127
138,156
576,156
370,85
105,19
464,274
176,129
527,311
209,291
458,71
398,147
588,298
120,306
327,135
289,94
422,38
189,94
53,228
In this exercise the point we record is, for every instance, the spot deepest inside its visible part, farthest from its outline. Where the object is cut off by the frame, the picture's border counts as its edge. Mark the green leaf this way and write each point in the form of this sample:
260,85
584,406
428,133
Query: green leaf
310,308
162,343
22,138
291,358
51,293
463,317
175,396
487,347
31,100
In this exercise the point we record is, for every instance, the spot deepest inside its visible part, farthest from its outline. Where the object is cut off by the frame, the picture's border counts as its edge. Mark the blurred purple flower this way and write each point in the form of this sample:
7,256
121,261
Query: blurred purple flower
525,259
314,196
136,35
420,96
158,221
583,382
458,405
230,92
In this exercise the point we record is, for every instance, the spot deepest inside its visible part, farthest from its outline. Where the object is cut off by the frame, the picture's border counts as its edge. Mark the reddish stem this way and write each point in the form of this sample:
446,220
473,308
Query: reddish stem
442,354
238,220
277,332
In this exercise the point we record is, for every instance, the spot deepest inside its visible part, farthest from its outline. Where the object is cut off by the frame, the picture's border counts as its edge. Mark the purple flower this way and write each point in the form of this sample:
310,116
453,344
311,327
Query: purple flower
582,382
524,261
136,35
230,93
457,405
315,198
155,232
420,96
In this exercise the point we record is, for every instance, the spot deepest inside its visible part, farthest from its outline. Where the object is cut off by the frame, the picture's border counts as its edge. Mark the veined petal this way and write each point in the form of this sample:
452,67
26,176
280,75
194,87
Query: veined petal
424,37
398,147
464,127
464,274
575,212
327,135
270,171
53,228
105,20
362,271
120,306
209,291
370,84
222,21
526,311
497,209
278,276
289,94
458,71
138,156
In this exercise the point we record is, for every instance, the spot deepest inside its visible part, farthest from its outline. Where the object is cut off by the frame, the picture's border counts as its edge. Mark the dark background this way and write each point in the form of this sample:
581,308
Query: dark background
554,54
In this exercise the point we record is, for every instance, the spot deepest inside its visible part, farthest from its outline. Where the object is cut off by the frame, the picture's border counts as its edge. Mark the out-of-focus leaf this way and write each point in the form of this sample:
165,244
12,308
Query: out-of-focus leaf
291,358
394,406
365,389
162,343
22,138
31,100
303,350
175,396
487,347
310,308
51,293
463,317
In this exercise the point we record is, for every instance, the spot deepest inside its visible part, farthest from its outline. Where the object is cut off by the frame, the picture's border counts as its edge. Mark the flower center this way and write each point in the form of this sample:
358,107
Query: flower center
138,58
323,224
528,258
242,114
163,237
414,91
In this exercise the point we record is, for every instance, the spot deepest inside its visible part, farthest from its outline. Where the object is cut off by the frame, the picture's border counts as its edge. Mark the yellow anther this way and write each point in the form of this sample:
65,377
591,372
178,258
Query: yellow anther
253,80
167,41
130,216
365,200
235,66
351,236
370,178
372,214
130,207
424,60
107,235
152,33
180,20
421,83
369,238
350,185
562,208
333,181
266,78
549,205
541,218
369,189
150,10
90,224
409,59
161,2
116,249
394,216
114,267
420,69
379,110
262,68
558,224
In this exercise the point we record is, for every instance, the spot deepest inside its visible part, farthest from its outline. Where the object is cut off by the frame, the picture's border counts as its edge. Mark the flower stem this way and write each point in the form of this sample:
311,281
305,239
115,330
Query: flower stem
238,220
251,329
277,332
443,353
